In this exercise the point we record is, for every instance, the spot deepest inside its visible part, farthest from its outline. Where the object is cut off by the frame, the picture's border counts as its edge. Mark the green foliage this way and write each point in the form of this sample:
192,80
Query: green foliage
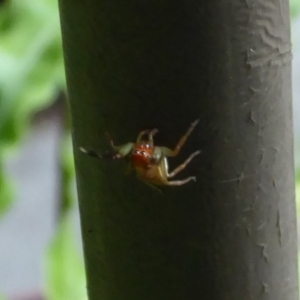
64,272
31,71
65,276
31,76
31,63
295,8
6,192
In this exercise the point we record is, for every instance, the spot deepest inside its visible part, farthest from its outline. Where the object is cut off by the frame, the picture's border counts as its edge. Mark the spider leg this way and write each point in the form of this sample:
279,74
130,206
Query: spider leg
100,156
122,150
150,136
111,142
180,182
141,134
169,152
184,164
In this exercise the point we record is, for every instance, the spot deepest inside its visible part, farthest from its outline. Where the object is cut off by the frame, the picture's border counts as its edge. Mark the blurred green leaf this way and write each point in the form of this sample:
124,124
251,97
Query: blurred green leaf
2,297
31,77
6,192
31,63
295,8
31,72
65,275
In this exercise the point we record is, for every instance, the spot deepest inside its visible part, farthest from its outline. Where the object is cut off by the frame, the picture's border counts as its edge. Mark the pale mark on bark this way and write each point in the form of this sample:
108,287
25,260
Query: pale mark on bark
261,226
253,90
262,156
248,230
251,118
237,179
263,246
274,184
265,288
251,206
278,225
276,58
249,4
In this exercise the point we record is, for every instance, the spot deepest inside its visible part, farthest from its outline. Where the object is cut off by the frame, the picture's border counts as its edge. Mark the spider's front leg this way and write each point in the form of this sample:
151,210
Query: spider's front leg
150,134
95,154
91,153
121,151
169,152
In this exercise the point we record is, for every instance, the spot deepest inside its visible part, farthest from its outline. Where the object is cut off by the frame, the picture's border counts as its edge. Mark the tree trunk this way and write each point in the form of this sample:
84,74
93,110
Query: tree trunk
133,65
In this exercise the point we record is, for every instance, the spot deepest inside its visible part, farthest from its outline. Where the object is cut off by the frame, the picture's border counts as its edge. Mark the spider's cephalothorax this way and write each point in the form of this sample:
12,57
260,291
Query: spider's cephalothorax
150,161
141,155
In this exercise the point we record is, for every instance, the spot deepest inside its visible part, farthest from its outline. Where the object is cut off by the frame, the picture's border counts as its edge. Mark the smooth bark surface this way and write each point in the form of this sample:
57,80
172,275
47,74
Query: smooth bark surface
135,64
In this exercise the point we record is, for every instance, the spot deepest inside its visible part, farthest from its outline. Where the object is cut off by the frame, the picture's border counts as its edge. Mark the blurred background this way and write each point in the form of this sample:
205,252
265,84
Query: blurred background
40,244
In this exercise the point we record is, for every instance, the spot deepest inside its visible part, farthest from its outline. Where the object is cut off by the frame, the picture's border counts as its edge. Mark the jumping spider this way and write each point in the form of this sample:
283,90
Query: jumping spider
150,161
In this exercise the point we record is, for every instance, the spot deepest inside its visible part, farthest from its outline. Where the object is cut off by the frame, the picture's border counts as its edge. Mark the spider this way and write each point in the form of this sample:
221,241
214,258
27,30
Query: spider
150,161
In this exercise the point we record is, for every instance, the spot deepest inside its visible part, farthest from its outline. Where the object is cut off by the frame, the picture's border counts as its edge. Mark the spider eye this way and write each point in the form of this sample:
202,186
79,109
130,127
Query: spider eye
145,154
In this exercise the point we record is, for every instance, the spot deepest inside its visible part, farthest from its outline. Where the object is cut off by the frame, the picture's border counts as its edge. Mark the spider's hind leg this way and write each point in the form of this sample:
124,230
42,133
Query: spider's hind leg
183,165
181,182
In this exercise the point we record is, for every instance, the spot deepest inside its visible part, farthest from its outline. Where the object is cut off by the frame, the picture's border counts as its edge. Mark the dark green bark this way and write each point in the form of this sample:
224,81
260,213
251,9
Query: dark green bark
136,64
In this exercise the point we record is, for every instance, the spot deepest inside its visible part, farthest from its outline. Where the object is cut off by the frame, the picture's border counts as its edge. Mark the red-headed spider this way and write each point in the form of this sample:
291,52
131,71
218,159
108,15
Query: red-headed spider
150,161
